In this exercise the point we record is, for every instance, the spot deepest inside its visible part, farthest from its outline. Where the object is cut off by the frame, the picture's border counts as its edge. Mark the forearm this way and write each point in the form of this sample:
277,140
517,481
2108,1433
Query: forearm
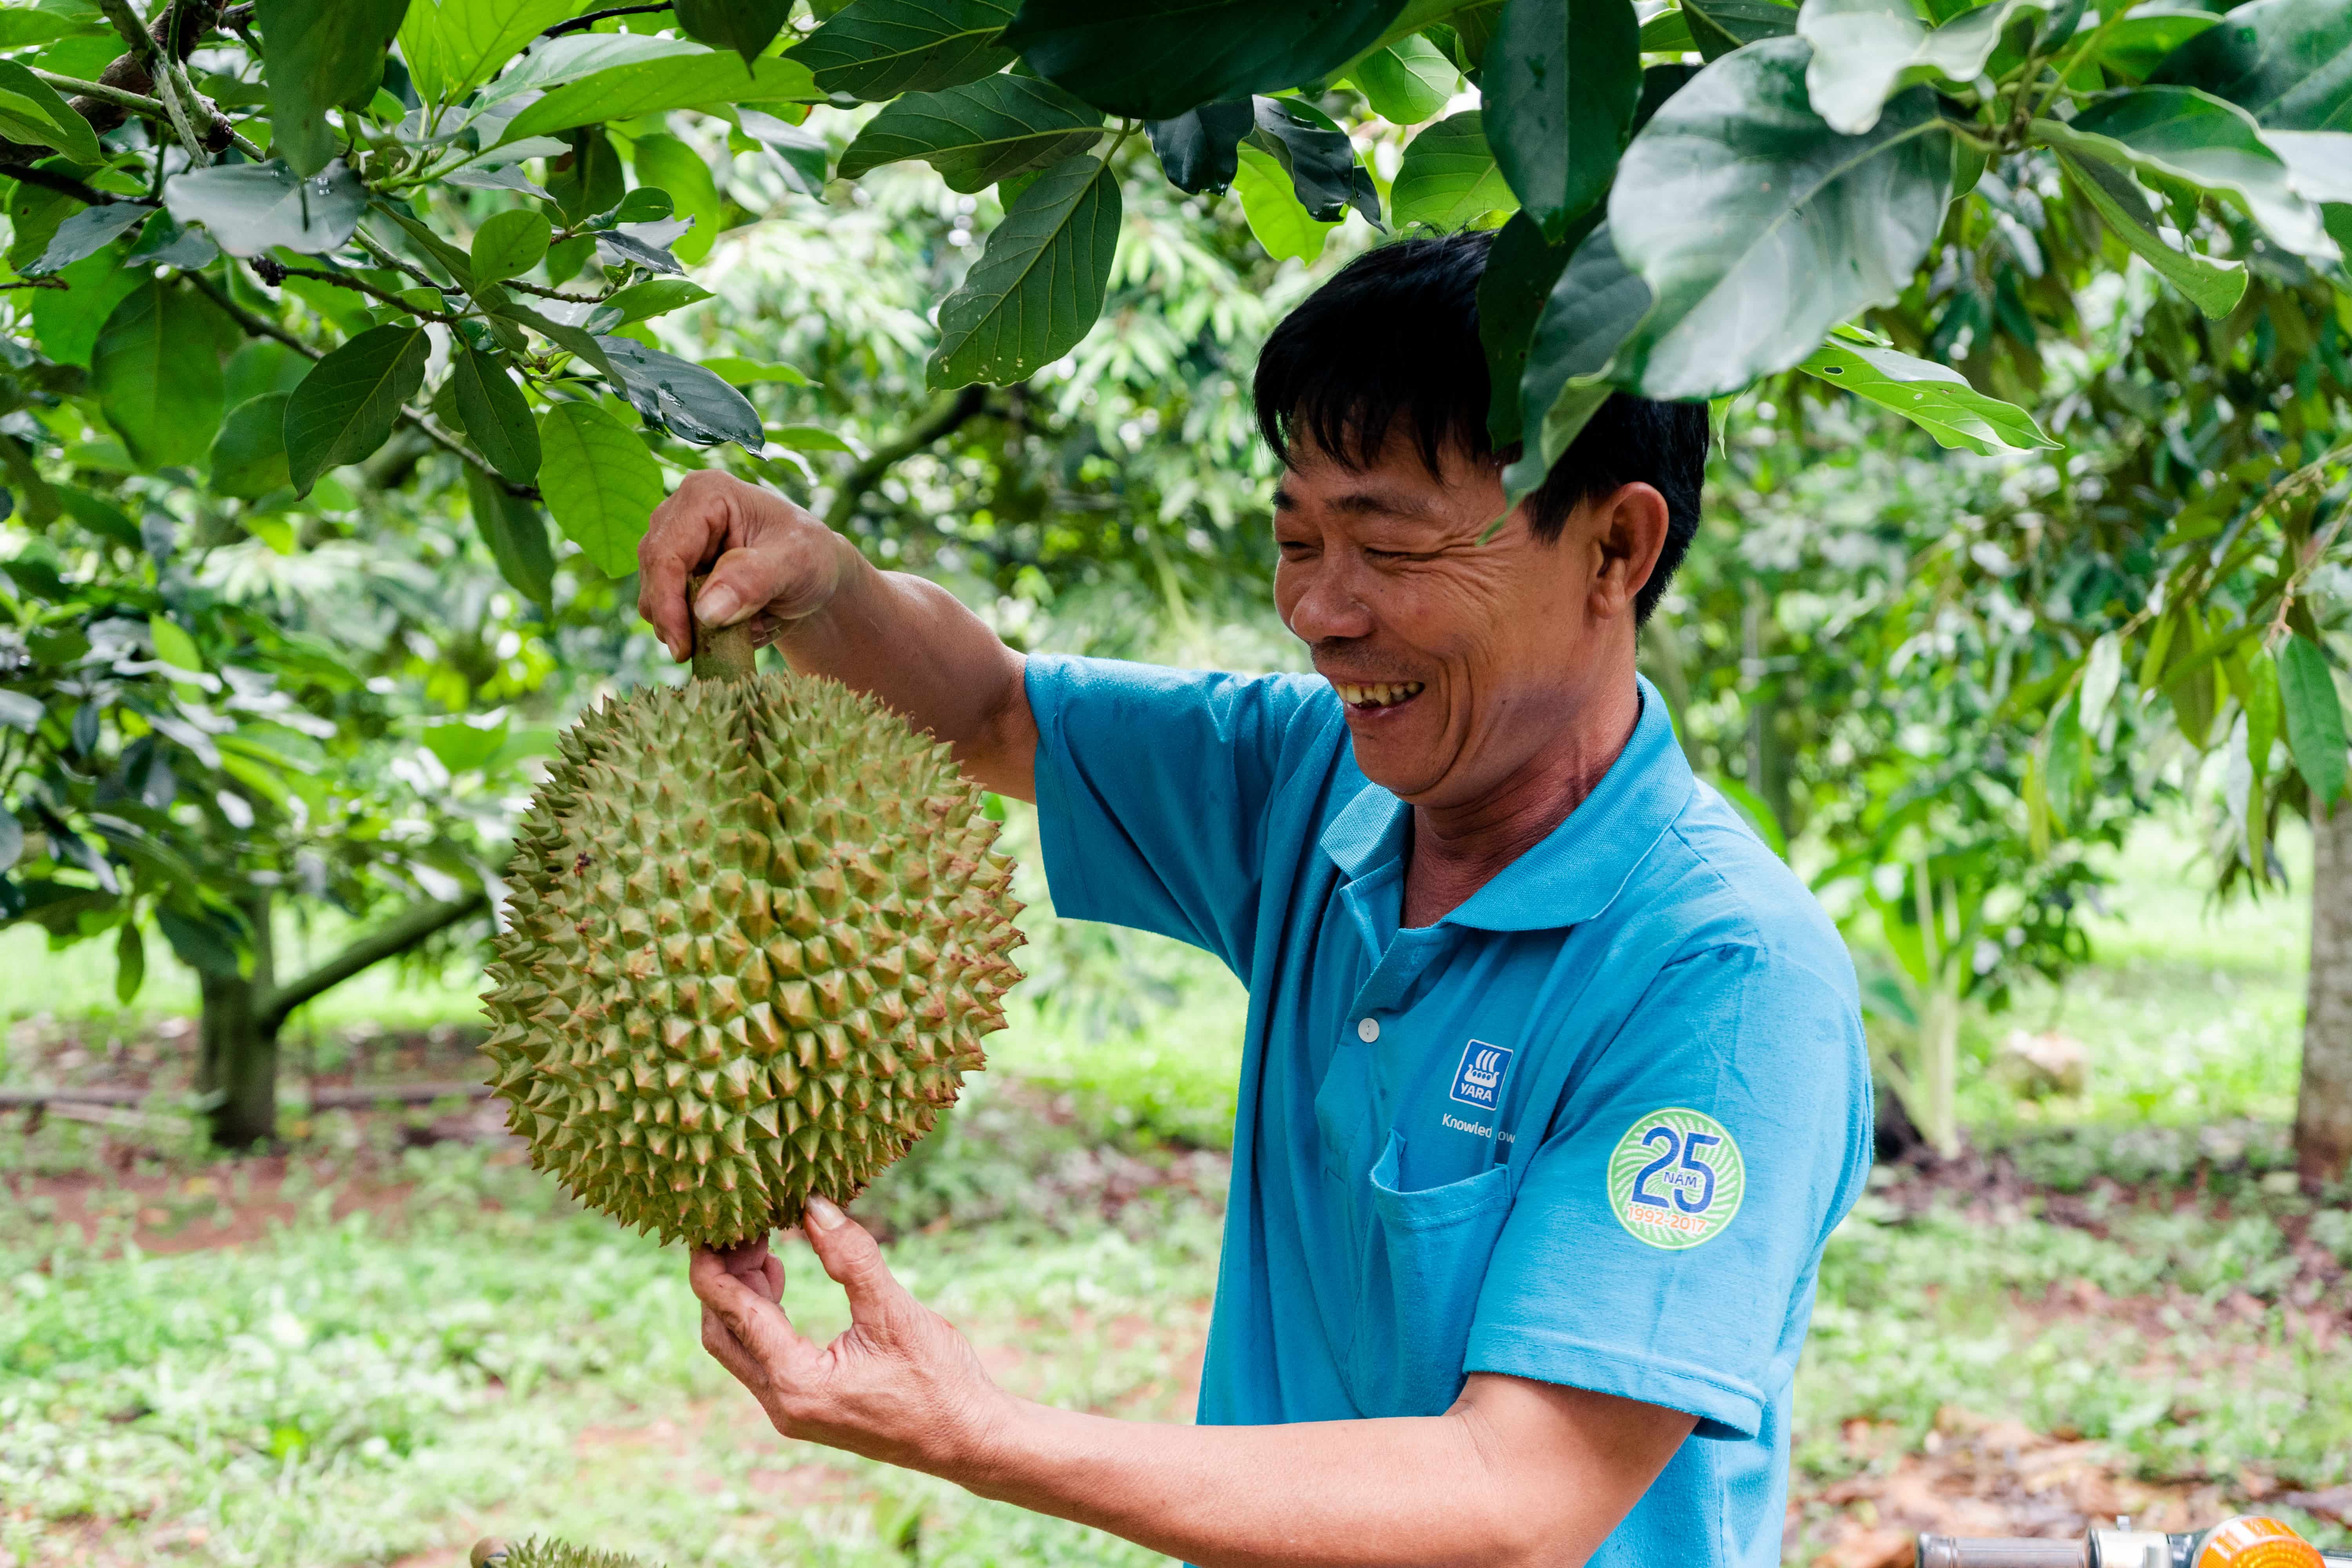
1418,1491
912,644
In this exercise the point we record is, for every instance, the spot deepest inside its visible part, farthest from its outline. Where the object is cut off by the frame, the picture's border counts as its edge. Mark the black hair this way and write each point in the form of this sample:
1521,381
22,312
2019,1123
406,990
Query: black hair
1394,339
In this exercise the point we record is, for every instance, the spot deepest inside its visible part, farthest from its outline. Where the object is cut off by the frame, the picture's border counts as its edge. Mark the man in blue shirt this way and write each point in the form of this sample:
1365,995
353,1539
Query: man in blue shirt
1554,1083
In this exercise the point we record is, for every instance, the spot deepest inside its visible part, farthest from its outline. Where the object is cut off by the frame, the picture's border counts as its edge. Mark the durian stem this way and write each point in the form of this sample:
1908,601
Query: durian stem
721,653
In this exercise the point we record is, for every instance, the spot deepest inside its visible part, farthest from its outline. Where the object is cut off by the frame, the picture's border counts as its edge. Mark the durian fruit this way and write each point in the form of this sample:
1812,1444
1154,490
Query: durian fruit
755,932
534,1552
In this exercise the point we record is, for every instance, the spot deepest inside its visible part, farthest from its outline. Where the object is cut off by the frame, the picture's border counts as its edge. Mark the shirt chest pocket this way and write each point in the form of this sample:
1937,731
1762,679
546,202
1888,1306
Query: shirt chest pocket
1421,1259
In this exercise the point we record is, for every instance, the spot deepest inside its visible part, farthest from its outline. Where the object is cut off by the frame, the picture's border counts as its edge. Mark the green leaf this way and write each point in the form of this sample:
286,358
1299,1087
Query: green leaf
2135,46
130,961
516,535
34,218
977,134
1668,33
746,26
1865,51
1408,82
876,49
1595,305
1520,271
248,208
736,371
1038,284
802,153
173,646
1270,204
551,62
451,46
1449,179
586,183
31,110
1757,228
657,297
572,339
317,55
1153,59
463,745
66,319
2211,142
1935,397
807,438
664,161
682,397
2314,719
248,455
1561,114
600,482
156,375
652,87
1324,169
2318,163
507,244
1197,148
347,405
1720,26
87,233
495,413
2286,62
2213,286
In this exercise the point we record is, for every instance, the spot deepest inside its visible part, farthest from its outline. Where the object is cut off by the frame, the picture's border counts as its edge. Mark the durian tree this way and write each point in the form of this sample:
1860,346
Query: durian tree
461,219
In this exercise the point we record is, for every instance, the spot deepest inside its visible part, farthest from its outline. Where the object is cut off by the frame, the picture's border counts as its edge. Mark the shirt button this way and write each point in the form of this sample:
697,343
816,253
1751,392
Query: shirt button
1368,1029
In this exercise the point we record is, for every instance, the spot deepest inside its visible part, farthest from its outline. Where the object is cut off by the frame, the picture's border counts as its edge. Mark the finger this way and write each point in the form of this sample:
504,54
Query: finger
728,1351
755,1320
853,1259
685,530
747,1258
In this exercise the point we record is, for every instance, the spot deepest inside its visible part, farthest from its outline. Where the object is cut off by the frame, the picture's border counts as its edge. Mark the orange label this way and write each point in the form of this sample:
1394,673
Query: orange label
2251,1541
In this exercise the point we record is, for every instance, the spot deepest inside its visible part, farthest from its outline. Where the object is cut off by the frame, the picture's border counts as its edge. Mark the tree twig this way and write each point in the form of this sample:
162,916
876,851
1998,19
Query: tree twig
127,23
582,23
136,103
64,185
259,327
945,416
361,286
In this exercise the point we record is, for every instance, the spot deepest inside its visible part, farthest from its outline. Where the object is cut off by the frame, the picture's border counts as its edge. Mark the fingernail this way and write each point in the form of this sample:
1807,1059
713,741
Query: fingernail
718,604
824,1212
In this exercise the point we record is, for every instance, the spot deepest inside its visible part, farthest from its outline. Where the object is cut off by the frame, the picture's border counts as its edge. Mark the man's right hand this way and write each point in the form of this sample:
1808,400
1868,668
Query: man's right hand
769,560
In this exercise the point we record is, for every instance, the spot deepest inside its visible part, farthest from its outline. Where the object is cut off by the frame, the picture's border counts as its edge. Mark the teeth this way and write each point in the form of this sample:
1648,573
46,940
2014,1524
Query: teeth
1382,694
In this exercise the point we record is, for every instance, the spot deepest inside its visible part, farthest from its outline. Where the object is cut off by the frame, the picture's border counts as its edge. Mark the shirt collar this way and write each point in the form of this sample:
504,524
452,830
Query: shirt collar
1578,868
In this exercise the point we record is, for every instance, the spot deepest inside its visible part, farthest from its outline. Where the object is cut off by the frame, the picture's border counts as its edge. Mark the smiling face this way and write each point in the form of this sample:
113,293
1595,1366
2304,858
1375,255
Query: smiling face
1471,673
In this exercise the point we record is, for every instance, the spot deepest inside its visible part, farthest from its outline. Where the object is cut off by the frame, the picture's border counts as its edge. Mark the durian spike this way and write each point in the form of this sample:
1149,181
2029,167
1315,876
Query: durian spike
720,653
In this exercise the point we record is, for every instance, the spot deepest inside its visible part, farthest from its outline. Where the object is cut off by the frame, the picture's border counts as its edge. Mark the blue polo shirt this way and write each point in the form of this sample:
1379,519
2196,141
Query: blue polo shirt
1591,1128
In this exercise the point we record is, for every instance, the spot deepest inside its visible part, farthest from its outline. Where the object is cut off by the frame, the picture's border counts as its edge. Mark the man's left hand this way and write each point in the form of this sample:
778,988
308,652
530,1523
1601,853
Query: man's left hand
900,1384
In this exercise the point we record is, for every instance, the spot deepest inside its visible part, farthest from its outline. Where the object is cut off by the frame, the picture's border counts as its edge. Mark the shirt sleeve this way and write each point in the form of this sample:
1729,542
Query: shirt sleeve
1664,1243
1152,791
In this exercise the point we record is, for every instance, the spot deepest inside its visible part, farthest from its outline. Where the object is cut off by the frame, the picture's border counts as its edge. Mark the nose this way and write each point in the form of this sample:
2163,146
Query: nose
1324,604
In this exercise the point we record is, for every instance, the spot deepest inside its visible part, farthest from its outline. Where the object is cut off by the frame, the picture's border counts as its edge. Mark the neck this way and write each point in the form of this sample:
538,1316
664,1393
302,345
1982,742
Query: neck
1459,848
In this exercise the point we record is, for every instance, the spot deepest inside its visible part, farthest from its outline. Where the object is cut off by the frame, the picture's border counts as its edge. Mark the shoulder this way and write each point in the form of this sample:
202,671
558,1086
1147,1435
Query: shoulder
1714,890
1114,688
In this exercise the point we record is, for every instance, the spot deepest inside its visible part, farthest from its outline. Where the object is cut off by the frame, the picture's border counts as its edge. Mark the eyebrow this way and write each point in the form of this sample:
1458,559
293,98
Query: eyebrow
1363,503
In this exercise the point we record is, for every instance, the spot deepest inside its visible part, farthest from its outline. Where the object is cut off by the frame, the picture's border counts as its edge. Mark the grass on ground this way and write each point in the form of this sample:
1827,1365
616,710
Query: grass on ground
376,1352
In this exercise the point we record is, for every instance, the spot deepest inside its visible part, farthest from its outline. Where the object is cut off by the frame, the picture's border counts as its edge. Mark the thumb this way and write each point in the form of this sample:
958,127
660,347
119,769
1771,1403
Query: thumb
742,582
853,1259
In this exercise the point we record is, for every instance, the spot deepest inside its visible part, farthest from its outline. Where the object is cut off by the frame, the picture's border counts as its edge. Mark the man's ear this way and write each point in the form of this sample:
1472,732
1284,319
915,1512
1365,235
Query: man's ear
1630,530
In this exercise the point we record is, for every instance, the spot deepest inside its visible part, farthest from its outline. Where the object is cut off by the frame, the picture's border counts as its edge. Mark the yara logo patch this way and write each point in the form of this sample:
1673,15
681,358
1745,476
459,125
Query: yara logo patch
1480,1080
1676,1178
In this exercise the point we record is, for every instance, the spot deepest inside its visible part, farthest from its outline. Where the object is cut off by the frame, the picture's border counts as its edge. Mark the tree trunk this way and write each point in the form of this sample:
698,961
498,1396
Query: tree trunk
238,1041
243,1013
2323,1115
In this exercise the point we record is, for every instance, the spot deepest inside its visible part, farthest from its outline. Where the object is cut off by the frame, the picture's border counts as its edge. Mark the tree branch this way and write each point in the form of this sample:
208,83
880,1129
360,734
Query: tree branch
944,417
582,23
65,184
390,939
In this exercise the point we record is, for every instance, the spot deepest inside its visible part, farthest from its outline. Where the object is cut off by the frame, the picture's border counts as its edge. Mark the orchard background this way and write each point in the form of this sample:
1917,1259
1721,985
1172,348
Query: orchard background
347,346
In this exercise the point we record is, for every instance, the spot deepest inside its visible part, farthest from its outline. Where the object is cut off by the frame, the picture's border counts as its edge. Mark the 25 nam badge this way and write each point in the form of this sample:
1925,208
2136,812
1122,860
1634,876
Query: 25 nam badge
1676,1178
